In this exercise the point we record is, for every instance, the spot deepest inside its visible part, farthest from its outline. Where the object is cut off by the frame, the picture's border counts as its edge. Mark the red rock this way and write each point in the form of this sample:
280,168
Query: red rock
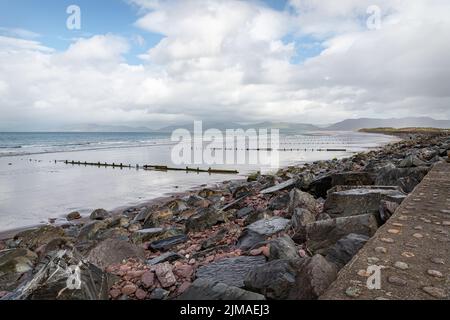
256,252
124,268
115,293
266,251
129,289
192,261
209,259
135,273
302,253
165,275
184,271
141,294
148,279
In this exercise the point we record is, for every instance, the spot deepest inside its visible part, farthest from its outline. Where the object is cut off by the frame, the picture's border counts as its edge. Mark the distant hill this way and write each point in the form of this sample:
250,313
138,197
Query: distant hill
357,124
285,127
105,128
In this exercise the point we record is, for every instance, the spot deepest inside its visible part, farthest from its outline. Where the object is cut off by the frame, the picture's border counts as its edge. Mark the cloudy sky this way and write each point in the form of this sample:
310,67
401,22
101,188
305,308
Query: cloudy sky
154,63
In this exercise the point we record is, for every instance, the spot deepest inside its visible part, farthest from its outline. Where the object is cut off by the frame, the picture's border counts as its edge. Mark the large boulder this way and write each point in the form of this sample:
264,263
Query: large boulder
320,186
283,248
313,279
204,219
231,271
274,279
99,214
158,218
300,199
349,201
13,264
406,178
345,249
301,218
260,230
64,275
205,289
411,161
323,234
114,251
92,230
34,238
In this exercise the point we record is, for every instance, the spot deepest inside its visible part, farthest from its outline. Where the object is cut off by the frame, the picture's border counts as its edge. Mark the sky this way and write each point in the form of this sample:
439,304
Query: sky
161,62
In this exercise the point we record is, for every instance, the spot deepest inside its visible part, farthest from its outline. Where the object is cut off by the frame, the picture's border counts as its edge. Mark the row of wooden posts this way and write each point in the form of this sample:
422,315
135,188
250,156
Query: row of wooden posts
149,167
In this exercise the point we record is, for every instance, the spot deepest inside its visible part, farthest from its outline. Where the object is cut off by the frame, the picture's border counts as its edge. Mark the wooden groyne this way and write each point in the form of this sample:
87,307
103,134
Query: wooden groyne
149,167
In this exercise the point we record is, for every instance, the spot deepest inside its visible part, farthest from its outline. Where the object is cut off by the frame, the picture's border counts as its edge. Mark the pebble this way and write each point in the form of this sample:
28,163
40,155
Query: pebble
435,273
353,292
387,240
394,231
418,228
435,292
129,289
397,225
418,235
372,260
401,265
256,252
192,261
148,279
407,254
397,281
115,293
437,260
141,294
165,275
380,250
363,273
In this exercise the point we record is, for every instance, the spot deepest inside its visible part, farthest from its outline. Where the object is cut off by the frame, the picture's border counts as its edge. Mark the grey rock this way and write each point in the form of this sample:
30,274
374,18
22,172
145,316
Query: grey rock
300,199
345,249
279,202
159,294
231,271
165,257
343,201
323,234
204,219
114,251
274,279
260,231
13,264
283,248
244,212
73,216
34,238
99,214
168,243
411,161
387,209
91,230
214,239
406,178
301,218
205,289
313,279
320,186
284,185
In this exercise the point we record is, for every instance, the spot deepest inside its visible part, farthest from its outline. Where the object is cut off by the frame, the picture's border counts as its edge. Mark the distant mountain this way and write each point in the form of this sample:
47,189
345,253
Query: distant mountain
356,124
105,128
285,127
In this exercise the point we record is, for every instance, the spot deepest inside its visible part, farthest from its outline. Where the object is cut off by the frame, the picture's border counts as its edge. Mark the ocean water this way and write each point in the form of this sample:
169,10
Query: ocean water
36,185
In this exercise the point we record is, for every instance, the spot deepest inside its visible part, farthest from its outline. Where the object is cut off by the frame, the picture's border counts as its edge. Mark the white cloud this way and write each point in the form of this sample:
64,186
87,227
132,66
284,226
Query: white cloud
229,60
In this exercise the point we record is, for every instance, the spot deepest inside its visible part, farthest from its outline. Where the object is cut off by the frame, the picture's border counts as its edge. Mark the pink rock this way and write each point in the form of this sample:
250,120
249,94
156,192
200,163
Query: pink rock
192,261
256,252
209,259
141,294
148,279
184,271
124,268
115,293
184,286
165,275
266,251
135,273
302,253
129,289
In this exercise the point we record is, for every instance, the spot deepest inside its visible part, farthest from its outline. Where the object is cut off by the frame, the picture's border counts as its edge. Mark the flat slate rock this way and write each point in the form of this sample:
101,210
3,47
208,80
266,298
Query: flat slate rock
231,271
165,257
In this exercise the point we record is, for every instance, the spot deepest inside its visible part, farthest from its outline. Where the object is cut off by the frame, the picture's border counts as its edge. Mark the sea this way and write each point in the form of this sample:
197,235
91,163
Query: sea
36,184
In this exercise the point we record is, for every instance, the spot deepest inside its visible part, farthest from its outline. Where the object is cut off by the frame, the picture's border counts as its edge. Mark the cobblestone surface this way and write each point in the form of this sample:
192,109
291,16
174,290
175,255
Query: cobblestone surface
412,249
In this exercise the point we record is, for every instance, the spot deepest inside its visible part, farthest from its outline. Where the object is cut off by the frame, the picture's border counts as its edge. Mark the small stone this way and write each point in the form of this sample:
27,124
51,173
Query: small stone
407,254
411,245
256,252
396,224
140,294
394,231
165,275
148,279
397,281
418,235
435,292
435,273
403,218
115,293
353,292
437,260
129,289
192,261
401,265
73,216
387,240
380,250
373,260
363,273
446,223
418,228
